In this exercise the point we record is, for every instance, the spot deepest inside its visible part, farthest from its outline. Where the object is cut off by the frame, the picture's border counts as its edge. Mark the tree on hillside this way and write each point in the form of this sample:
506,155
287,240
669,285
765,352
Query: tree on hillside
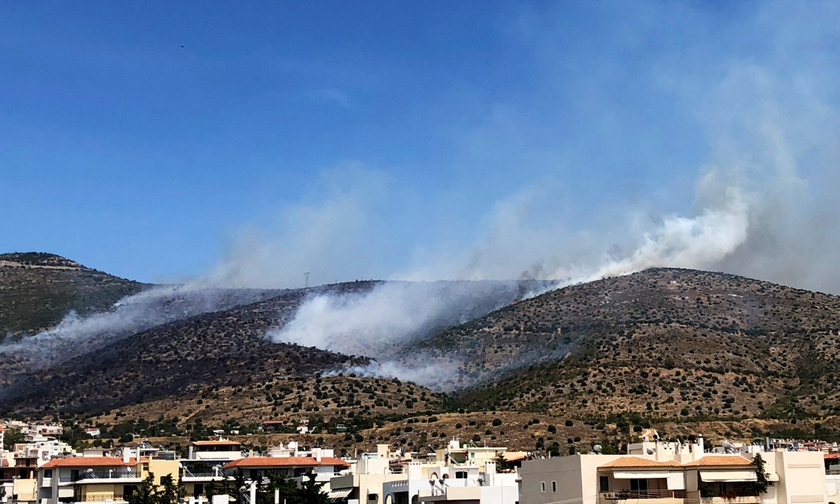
11,437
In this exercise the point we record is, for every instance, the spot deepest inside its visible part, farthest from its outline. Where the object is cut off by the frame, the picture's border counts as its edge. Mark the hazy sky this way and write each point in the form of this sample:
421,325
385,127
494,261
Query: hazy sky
254,141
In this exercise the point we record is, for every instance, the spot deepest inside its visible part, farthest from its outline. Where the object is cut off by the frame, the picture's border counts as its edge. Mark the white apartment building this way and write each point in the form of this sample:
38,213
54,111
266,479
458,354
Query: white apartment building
673,473
385,478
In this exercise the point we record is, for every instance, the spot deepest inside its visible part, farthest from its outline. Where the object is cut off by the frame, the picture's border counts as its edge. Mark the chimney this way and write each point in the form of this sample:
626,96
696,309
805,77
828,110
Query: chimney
125,453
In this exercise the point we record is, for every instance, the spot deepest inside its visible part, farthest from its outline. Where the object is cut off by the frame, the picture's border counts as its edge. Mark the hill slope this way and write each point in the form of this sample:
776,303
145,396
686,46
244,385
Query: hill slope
664,341
37,290
214,349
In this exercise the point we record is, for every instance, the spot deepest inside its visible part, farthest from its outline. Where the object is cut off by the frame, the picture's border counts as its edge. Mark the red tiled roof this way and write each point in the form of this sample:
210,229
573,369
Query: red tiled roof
89,462
640,462
225,442
285,462
720,461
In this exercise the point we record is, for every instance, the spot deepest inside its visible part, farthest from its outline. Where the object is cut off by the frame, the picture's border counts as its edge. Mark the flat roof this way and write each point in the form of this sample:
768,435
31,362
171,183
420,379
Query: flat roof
285,462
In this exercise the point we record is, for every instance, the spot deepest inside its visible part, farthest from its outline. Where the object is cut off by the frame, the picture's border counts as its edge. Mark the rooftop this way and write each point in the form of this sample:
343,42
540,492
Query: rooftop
285,462
720,461
89,462
222,442
640,462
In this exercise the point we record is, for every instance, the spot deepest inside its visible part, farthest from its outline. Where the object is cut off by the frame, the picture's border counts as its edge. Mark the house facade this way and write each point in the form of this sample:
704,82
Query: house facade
671,473
103,480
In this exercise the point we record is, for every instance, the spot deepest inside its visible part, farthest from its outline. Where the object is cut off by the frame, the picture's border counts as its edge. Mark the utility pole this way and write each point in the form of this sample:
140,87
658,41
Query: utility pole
306,280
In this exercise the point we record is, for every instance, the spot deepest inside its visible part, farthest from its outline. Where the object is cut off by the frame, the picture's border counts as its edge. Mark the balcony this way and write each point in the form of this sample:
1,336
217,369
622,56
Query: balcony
654,496
731,499
96,475
104,499
198,476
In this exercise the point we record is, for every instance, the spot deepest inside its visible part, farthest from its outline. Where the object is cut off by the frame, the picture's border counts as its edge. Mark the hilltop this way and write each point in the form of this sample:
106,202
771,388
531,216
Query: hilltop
38,289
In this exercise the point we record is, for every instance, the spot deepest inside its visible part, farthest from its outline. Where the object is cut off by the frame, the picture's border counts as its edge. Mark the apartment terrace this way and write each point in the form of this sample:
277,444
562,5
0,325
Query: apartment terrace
712,479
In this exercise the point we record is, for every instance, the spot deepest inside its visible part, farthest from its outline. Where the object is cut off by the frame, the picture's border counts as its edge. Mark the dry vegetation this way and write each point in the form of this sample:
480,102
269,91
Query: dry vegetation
684,351
669,342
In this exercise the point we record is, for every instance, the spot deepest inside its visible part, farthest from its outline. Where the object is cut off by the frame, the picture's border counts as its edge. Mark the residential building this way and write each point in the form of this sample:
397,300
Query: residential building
385,478
203,466
17,477
99,479
220,450
674,473
324,467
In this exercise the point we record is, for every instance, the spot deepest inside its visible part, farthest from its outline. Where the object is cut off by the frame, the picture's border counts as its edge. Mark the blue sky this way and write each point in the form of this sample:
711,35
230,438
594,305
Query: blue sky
164,140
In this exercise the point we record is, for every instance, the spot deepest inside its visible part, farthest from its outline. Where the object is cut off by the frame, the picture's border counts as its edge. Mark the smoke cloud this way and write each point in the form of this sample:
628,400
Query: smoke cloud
709,151
159,305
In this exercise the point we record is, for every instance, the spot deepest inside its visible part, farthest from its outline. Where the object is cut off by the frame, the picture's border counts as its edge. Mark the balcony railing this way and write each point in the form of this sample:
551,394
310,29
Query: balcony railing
617,495
102,498
734,499
86,475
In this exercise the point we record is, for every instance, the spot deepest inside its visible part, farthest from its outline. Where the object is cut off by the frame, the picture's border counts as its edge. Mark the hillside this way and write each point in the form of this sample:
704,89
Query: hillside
225,348
37,290
666,342
669,347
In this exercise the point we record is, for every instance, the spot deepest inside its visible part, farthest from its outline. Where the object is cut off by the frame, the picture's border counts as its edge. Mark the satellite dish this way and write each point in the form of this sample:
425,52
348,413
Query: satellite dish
596,448
650,451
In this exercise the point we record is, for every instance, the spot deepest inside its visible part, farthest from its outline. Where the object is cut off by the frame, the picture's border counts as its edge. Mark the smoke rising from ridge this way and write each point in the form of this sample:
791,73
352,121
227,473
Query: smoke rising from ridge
77,334
762,205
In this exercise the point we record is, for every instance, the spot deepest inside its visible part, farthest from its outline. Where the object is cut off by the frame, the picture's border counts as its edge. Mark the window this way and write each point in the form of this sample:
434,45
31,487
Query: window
553,487
638,485
542,486
48,473
461,475
604,483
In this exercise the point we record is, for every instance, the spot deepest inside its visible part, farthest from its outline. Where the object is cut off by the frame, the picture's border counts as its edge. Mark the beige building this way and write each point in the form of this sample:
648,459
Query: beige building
669,473
99,479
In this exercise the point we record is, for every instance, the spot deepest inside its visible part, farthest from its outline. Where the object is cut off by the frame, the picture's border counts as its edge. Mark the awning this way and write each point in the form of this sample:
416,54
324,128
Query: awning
676,479
339,494
640,475
731,476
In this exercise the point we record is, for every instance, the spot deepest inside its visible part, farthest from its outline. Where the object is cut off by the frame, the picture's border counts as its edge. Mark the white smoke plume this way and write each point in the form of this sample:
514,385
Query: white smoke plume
132,314
383,321
432,373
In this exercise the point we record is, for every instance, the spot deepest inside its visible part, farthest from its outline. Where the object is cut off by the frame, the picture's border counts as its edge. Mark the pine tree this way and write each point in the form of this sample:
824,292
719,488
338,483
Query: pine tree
761,482
145,492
